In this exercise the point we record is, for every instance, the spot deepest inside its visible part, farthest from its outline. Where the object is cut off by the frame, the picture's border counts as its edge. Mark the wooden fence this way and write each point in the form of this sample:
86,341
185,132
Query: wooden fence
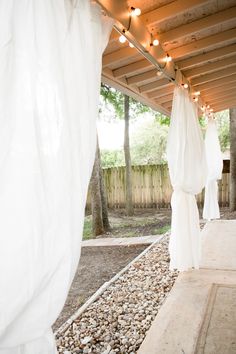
151,187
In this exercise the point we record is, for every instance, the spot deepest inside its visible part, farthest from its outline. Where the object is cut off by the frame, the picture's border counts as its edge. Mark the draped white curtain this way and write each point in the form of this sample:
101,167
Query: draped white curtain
186,160
50,68
214,171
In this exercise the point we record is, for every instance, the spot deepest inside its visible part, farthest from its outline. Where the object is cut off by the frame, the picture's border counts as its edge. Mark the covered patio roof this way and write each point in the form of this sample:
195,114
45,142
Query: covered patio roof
199,36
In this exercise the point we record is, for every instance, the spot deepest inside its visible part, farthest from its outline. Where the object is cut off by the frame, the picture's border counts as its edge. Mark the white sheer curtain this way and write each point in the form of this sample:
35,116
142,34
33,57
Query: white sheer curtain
50,68
186,159
214,171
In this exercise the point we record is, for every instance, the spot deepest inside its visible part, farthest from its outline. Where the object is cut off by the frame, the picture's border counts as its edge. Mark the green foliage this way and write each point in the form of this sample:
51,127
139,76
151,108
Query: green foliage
112,158
116,99
88,230
223,129
148,145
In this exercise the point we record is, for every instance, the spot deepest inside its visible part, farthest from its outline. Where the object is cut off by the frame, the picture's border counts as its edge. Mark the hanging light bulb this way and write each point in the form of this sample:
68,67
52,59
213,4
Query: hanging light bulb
131,45
208,106
156,42
185,85
122,39
168,58
211,110
159,73
135,11
195,99
197,93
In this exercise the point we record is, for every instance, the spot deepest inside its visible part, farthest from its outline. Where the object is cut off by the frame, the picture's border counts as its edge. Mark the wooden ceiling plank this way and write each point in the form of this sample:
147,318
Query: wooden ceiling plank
164,99
204,69
216,96
204,43
142,77
116,56
198,25
214,76
219,90
161,91
131,68
204,58
215,100
225,105
170,10
216,83
167,104
153,85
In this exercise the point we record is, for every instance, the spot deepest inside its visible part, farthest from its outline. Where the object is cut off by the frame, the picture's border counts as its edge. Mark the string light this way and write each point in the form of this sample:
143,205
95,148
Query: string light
168,58
211,110
159,73
197,93
122,39
156,42
131,45
208,106
135,11
195,99
185,85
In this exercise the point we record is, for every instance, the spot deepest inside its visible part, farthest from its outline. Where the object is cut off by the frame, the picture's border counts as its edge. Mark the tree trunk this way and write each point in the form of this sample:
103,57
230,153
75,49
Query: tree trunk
128,170
96,200
105,218
232,114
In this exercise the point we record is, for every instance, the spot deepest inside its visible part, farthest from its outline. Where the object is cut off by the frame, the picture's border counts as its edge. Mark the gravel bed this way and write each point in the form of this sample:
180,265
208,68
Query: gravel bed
118,321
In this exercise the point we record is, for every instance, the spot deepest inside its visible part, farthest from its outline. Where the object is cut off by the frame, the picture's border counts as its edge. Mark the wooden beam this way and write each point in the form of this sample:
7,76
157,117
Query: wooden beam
223,106
202,44
132,68
198,25
213,76
204,69
164,99
216,100
118,55
205,57
161,91
152,74
154,85
216,83
219,90
170,10
167,105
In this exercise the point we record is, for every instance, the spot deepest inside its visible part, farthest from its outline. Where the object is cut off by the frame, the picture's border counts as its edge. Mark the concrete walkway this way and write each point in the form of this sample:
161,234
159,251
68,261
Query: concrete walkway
199,315
122,241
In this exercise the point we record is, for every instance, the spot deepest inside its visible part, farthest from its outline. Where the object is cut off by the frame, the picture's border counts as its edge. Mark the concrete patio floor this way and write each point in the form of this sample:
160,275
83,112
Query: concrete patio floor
199,315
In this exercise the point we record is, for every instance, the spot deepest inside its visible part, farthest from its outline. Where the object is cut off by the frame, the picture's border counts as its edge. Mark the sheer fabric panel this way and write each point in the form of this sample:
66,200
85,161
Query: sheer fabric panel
50,72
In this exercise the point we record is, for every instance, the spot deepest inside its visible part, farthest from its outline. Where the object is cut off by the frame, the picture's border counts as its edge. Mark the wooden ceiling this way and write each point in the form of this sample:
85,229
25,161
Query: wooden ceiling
199,35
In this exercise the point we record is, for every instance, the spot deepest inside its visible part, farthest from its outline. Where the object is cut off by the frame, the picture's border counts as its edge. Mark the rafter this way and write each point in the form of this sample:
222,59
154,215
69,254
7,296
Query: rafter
153,85
204,69
142,77
202,44
170,10
161,91
219,90
164,99
216,83
132,68
116,56
214,76
223,106
205,57
198,25
222,98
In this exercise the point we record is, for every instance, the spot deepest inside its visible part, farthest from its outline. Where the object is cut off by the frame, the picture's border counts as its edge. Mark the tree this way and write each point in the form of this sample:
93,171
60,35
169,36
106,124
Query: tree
100,221
128,170
232,115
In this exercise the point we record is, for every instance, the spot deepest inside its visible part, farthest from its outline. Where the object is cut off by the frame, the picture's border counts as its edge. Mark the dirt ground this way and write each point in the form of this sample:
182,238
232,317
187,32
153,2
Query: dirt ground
99,264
